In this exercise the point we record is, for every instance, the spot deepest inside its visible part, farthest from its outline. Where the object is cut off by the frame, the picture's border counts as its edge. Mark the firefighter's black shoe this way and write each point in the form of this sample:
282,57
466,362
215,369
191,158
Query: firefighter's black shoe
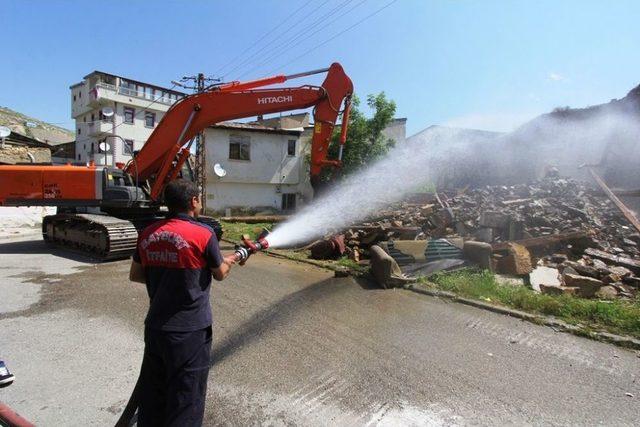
6,378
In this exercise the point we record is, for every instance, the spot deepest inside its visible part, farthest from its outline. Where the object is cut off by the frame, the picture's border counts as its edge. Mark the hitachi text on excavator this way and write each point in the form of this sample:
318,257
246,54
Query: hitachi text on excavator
100,208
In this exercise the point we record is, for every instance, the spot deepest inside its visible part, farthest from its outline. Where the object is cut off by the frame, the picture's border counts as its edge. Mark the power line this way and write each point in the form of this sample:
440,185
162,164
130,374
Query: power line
335,36
308,36
246,60
272,50
261,38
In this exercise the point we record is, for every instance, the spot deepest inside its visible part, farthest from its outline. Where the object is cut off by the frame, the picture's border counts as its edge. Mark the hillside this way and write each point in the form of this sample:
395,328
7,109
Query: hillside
606,134
34,128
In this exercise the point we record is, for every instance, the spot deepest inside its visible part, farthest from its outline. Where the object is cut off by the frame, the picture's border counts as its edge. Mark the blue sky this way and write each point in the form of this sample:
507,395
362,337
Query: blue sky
482,64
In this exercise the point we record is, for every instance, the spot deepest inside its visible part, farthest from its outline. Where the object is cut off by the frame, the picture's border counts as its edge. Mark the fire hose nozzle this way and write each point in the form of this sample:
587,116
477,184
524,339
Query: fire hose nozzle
249,247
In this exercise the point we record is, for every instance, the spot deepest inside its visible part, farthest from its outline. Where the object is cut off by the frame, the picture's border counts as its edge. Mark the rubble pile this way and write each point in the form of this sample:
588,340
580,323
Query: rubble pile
562,224
542,208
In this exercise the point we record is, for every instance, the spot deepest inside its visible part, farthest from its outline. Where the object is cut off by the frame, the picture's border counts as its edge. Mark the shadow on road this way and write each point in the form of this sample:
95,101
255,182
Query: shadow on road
275,315
40,247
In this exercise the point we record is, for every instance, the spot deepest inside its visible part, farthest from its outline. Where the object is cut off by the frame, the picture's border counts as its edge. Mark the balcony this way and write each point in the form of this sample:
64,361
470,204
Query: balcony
103,94
99,127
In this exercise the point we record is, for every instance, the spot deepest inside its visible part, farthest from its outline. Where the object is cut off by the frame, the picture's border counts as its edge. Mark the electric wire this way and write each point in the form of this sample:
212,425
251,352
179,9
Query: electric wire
308,51
273,50
300,41
265,36
248,59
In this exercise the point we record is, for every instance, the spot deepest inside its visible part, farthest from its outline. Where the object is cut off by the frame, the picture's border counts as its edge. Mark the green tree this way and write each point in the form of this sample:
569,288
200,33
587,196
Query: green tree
365,141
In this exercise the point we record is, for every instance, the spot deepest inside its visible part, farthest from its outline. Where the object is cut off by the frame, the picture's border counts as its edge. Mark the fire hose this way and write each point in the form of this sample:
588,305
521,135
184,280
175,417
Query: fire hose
242,252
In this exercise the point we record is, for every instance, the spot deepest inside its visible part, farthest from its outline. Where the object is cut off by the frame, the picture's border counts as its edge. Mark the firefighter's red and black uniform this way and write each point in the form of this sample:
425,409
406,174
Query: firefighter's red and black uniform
177,255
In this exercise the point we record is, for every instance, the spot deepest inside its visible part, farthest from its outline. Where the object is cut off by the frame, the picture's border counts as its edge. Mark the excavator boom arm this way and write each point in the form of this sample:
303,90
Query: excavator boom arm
236,100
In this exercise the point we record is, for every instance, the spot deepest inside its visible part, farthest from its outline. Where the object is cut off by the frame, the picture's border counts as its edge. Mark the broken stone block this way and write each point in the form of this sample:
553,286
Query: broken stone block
607,292
620,271
385,269
543,275
494,219
478,253
588,286
559,258
584,270
355,254
517,261
611,278
632,281
631,264
484,235
331,248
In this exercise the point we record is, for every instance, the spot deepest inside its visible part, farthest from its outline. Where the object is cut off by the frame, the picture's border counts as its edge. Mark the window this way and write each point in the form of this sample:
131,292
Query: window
129,113
291,147
93,117
289,202
149,119
79,131
80,94
74,98
239,147
92,148
128,146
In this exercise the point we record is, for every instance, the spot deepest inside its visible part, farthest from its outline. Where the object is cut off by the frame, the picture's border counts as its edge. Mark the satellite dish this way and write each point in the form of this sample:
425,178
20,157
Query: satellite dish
31,125
104,146
219,170
4,131
108,112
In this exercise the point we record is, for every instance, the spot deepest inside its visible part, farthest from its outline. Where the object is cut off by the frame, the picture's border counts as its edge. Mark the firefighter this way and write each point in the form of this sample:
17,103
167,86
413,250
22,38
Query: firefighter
176,258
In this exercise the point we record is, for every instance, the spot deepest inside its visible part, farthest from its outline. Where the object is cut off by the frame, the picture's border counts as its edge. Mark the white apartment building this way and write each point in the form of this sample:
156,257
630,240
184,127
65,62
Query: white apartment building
137,108
265,167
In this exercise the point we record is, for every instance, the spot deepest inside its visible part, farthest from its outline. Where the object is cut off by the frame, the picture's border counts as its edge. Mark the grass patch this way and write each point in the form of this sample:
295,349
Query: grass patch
234,230
351,265
617,316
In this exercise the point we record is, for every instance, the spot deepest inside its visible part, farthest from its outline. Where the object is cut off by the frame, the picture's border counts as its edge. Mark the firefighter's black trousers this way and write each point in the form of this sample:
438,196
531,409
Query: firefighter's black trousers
174,377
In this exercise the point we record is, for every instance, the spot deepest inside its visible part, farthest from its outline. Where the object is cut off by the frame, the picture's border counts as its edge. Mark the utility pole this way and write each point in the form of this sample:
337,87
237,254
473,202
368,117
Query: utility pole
200,82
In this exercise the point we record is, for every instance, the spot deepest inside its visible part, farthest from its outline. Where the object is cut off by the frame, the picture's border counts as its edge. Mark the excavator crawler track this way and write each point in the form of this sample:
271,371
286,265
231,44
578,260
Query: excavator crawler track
99,236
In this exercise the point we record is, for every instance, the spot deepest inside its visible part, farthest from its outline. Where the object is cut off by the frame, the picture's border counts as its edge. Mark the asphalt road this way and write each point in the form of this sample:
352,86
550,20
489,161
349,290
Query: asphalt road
295,346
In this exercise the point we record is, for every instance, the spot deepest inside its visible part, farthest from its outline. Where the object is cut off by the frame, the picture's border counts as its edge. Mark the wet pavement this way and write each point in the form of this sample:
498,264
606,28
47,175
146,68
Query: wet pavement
295,346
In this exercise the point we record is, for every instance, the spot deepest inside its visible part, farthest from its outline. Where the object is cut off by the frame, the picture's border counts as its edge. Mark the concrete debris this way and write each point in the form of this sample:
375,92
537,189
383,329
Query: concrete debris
331,248
565,225
547,277
587,286
516,261
385,269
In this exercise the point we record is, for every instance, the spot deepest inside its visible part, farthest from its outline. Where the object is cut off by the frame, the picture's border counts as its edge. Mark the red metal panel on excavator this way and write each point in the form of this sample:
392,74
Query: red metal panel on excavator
48,185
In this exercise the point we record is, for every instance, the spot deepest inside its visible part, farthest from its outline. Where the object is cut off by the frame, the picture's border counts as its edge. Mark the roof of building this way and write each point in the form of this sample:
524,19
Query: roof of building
33,128
254,127
177,92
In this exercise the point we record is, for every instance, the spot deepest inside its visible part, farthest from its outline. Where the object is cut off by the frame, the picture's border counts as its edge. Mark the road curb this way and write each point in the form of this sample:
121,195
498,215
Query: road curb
555,324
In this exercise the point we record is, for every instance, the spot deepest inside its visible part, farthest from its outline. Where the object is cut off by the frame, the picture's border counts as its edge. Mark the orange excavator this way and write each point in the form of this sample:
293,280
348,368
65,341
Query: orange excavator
100,209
